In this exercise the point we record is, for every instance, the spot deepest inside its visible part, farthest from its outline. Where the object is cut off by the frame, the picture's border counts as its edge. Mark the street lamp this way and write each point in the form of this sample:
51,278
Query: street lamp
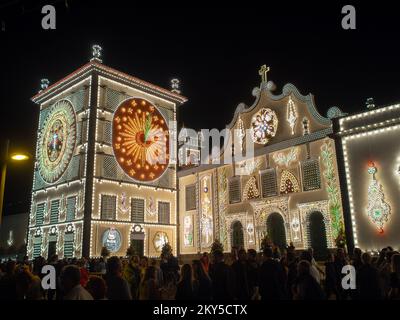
18,156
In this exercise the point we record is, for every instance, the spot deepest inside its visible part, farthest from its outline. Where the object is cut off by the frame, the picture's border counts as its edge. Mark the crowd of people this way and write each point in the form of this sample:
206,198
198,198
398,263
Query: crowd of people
241,275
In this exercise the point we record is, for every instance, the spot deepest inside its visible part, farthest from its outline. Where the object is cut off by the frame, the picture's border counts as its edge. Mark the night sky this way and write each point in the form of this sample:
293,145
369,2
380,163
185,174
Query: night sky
215,52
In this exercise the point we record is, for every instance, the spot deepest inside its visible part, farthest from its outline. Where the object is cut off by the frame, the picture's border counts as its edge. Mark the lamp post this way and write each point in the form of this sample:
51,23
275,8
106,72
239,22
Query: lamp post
7,157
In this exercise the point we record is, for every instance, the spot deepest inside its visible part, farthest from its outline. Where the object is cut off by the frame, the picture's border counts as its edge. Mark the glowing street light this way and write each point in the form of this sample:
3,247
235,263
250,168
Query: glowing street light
20,156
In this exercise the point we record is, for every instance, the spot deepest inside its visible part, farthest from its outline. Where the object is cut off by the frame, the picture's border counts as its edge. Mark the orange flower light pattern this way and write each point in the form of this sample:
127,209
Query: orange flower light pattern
140,140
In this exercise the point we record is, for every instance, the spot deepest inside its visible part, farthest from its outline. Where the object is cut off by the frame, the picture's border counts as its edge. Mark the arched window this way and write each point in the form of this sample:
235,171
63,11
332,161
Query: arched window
276,230
317,235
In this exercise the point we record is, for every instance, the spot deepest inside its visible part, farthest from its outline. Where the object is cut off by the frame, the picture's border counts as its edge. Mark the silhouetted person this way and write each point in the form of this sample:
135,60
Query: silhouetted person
117,287
330,278
148,287
96,286
272,278
8,284
202,286
222,278
239,267
394,293
70,281
367,280
306,287
184,288
252,273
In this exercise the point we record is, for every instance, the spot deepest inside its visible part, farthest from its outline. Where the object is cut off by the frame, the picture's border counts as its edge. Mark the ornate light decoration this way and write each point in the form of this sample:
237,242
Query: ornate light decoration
264,125
241,133
291,114
289,183
284,159
187,231
332,187
160,238
378,209
250,190
57,141
140,140
112,239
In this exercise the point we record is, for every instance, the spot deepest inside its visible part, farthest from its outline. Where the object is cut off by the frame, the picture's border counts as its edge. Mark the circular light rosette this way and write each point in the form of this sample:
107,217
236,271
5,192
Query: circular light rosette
57,141
264,125
140,140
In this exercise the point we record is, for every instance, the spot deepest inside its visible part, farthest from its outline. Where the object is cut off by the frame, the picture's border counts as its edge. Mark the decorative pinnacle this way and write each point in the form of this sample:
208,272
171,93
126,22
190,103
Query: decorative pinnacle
44,84
96,53
263,73
175,86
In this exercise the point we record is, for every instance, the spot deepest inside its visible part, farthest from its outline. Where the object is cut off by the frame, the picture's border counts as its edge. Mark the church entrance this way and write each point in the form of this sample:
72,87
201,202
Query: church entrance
137,243
276,230
317,232
52,249
237,235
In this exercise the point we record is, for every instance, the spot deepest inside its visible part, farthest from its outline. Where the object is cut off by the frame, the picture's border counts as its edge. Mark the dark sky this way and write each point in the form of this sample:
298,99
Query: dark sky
215,52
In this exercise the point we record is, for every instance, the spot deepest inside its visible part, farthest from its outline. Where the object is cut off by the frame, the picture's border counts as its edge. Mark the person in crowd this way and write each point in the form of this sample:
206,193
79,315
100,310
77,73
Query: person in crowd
168,290
381,258
84,272
394,292
367,280
8,284
292,262
252,273
306,287
356,259
143,264
205,261
148,287
70,281
331,291
276,253
222,278
239,267
184,288
132,275
28,285
272,278
385,272
96,286
306,255
159,273
101,266
202,286
117,286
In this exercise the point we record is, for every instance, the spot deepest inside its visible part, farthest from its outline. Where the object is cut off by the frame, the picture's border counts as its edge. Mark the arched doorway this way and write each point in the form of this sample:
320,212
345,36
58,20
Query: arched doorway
237,235
317,234
137,240
276,230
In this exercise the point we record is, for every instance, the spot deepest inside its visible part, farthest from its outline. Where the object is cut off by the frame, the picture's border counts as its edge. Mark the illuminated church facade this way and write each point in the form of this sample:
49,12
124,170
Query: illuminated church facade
96,181
288,192
112,172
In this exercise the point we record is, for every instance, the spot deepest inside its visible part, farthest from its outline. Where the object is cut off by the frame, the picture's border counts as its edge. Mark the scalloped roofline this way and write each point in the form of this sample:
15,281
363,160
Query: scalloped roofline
287,90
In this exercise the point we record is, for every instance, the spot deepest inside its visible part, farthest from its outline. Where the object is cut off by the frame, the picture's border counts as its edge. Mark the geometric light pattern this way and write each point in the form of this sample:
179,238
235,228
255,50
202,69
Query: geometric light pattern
291,114
250,190
264,125
140,140
378,210
289,183
57,141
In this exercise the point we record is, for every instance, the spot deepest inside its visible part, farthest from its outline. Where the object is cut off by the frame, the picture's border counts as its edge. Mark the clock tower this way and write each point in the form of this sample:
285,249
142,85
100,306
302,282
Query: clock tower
105,170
